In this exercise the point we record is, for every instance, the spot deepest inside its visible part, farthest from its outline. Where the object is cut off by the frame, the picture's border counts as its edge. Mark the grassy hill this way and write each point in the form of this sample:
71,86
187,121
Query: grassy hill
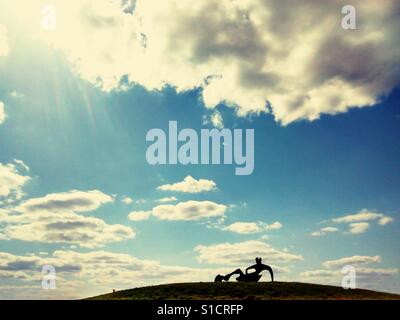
243,290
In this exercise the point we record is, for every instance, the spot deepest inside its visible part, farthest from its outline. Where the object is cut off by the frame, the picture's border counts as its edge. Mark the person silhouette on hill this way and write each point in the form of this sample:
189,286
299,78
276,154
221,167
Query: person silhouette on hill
248,277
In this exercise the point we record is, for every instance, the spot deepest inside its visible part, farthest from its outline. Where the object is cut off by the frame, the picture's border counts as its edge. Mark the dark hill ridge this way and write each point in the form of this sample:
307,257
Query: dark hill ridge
243,290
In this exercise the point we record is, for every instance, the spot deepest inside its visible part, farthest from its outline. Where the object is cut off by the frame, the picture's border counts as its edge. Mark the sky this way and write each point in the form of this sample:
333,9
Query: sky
81,84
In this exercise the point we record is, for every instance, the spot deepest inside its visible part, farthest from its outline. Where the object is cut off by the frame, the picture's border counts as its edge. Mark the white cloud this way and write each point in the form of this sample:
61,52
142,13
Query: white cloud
244,227
215,119
54,218
140,201
319,273
166,199
82,274
22,165
243,253
360,222
242,53
74,200
15,94
273,226
127,200
376,272
324,231
184,211
189,185
251,227
353,260
358,227
4,48
365,277
336,275
385,220
12,180
2,113
189,210
363,215
139,215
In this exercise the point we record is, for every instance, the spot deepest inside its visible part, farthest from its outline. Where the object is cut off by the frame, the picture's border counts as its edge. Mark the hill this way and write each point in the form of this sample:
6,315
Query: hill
243,290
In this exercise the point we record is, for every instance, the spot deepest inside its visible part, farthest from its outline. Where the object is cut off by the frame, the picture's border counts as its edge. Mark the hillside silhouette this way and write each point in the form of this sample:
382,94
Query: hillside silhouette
245,291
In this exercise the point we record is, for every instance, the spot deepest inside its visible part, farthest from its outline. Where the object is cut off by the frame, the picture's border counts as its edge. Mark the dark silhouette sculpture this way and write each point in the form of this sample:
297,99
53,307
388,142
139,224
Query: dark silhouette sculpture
248,277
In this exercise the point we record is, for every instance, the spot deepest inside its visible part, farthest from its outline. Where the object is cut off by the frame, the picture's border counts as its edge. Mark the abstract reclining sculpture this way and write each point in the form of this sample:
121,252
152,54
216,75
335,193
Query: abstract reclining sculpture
248,277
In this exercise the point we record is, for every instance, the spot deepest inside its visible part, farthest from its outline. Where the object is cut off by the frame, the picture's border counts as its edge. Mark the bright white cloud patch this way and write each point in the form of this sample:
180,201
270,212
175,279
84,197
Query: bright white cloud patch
2,113
358,227
215,119
74,200
22,164
292,59
385,220
166,199
324,231
244,227
363,215
354,260
139,215
365,276
252,227
273,226
12,180
127,200
242,253
83,274
189,210
54,218
360,222
189,185
184,211
4,48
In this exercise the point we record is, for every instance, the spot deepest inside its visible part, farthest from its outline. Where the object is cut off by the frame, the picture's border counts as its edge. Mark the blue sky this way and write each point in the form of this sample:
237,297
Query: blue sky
71,136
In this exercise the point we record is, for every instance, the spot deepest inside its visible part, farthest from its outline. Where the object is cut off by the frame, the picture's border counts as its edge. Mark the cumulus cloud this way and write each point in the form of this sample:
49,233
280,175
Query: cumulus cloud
366,273
33,263
291,59
166,199
2,113
184,211
318,273
360,222
358,227
127,200
335,276
139,215
189,185
4,48
353,260
252,227
74,200
12,180
385,220
363,215
189,210
241,252
365,276
22,165
324,231
215,119
54,218
81,274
